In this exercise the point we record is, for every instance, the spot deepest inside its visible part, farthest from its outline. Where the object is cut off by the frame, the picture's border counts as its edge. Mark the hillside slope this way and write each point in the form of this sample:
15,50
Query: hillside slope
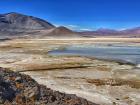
20,89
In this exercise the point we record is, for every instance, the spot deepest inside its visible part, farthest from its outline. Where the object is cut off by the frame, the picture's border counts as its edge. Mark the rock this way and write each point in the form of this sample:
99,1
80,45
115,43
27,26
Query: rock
20,89
17,79
6,91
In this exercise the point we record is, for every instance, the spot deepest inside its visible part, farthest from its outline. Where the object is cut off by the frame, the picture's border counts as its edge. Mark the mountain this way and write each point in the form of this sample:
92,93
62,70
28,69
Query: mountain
61,31
133,32
19,25
100,32
17,22
106,31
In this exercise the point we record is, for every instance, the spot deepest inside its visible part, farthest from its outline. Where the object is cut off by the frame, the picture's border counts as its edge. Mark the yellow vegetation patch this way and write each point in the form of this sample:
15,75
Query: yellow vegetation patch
37,67
103,68
115,82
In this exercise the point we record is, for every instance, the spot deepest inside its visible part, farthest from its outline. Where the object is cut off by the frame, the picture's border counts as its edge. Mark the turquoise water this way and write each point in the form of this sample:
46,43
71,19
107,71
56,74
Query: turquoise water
125,53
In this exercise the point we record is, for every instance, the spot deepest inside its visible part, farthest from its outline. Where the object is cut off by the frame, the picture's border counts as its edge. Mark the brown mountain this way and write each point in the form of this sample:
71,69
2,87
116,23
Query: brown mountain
61,31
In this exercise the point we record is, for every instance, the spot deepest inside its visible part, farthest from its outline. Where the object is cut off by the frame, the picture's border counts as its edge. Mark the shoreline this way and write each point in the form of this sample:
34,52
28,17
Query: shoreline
94,57
121,62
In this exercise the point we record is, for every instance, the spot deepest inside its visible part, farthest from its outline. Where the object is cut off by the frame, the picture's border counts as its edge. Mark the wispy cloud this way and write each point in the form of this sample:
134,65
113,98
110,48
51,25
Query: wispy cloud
57,25
86,29
68,26
72,26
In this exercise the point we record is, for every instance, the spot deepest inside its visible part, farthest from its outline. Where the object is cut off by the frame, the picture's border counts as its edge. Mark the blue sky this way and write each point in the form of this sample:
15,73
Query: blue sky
79,14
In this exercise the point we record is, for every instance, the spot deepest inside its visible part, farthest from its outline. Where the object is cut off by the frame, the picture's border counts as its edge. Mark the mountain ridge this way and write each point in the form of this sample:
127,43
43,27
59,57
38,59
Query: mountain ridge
16,24
132,32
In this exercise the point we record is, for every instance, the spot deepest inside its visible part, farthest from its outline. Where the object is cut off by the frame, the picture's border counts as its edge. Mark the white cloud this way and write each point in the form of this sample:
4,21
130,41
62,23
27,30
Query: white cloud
86,29
72,26
57,25
121,29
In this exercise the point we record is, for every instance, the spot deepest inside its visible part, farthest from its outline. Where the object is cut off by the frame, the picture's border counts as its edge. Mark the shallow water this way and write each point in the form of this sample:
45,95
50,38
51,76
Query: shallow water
125,53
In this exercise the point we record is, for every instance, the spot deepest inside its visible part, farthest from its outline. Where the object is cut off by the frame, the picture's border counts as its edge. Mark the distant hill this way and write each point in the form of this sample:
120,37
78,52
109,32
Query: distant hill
101,31
134,32
62,31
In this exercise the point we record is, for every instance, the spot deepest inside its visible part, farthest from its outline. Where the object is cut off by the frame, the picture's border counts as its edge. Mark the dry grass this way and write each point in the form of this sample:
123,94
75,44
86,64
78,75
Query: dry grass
115,82
102,68
61,66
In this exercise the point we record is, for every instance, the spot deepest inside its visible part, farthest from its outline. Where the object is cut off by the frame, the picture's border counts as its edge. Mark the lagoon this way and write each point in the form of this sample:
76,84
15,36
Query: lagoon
122,53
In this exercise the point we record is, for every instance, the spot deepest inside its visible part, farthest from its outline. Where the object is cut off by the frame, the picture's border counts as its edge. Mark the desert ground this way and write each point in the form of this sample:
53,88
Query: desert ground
100,81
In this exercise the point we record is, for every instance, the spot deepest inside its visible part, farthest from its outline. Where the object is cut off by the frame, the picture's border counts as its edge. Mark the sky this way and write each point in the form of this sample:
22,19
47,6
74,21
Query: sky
79,14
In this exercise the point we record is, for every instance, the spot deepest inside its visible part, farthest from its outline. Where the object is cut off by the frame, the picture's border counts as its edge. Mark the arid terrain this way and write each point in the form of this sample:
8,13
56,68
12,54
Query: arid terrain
26,43
99,81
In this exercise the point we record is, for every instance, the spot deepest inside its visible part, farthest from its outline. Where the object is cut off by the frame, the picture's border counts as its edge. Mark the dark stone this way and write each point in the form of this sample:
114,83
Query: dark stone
22,89
6,91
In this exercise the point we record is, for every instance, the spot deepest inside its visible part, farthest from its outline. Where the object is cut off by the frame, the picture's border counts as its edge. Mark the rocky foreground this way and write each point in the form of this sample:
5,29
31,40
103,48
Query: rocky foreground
20,89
